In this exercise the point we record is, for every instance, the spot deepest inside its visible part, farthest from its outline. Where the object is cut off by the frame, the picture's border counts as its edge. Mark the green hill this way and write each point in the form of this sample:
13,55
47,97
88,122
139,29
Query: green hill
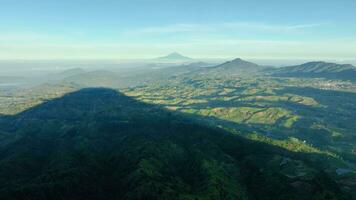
319,70
234,67
100,144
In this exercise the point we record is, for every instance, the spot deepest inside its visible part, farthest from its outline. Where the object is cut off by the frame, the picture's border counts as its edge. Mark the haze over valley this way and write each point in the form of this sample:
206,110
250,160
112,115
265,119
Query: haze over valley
177,100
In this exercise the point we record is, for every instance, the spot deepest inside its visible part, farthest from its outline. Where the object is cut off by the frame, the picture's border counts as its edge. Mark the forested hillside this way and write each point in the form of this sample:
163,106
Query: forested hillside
100,144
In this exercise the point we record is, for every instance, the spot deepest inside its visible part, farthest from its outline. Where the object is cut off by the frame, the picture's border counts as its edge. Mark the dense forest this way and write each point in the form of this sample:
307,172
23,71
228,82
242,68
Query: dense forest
100,144
193,131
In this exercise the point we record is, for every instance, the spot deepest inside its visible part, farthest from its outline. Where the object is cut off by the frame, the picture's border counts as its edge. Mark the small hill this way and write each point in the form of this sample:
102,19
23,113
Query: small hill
63,74
318,70
98,78
71,72
168,72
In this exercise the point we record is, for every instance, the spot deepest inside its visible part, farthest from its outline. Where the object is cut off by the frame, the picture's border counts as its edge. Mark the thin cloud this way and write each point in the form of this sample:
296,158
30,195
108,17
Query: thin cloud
270,27
20,36
218,27
306,26
175,28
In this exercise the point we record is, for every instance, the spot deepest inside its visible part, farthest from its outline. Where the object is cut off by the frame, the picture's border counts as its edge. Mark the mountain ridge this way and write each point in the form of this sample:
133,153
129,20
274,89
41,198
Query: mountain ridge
318,69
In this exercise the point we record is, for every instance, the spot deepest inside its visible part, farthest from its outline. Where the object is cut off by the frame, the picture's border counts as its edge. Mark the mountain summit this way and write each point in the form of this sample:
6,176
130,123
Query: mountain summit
236,66
175,57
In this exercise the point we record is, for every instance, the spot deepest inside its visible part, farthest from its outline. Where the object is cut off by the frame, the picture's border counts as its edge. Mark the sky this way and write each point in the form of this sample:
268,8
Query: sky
131,29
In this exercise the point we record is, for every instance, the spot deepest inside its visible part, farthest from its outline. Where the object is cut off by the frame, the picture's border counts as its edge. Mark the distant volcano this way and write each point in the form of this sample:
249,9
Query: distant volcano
236,66
175,57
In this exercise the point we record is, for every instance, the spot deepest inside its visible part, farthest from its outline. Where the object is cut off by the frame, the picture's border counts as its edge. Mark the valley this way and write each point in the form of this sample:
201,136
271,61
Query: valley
177,100
306,125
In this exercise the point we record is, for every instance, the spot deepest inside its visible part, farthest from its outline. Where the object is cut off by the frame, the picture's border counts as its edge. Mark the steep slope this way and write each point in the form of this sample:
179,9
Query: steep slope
100,144
318,70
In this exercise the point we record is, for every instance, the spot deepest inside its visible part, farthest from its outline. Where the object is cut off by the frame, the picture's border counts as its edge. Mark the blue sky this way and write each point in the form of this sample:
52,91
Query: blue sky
108,29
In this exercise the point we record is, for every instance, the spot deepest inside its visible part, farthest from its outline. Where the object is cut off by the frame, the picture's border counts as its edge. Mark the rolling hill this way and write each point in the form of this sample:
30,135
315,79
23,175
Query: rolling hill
70,72
318,70
117,79
97,78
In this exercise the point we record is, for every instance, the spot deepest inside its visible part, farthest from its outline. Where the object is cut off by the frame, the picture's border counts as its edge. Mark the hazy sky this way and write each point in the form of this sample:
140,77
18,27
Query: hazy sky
116,29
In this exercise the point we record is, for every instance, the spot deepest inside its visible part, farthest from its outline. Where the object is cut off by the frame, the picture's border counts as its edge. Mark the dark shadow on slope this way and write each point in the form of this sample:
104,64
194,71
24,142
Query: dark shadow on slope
335,109
338,109
348,75
330,98
300,129
100,144
335,113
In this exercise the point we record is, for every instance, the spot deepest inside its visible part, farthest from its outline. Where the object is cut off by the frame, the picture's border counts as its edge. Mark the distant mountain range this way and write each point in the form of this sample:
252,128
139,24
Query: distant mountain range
308,70
318,70
176,64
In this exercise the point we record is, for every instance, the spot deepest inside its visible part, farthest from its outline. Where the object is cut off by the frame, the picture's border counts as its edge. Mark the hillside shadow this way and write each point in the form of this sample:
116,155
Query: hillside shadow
333,100
345,75
97,122
107,106
334,108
